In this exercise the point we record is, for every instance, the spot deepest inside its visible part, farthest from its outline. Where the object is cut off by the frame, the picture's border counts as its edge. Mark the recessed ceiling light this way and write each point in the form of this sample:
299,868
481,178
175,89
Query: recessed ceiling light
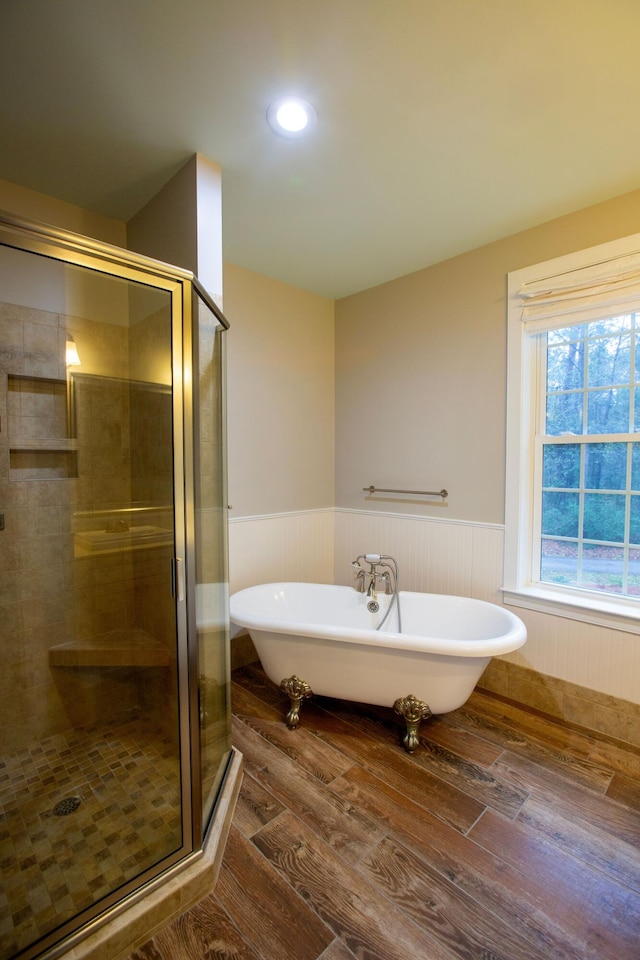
291,117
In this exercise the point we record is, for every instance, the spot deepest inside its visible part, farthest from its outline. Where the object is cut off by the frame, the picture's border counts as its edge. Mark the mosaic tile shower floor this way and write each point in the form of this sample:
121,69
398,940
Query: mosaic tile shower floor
127,777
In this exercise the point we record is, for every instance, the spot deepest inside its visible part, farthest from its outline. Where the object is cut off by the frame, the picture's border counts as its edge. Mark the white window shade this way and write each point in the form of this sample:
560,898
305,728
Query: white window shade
604,289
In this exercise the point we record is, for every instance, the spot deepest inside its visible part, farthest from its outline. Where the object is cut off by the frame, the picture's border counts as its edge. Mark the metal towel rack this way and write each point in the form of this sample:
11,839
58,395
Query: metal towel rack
415,493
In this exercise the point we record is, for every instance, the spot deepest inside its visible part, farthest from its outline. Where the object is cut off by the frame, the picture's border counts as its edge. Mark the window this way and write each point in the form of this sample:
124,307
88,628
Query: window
573,436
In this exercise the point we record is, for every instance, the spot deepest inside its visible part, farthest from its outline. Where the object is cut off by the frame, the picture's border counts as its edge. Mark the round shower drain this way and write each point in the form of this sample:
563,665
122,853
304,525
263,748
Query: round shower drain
64,807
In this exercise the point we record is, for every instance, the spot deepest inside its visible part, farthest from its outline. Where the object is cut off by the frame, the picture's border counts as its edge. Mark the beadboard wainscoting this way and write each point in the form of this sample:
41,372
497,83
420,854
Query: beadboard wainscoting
282,546
584,673
434,556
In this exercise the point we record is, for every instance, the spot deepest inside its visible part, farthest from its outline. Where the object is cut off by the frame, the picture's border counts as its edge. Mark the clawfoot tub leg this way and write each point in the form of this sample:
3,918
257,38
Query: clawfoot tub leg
413,711
297,691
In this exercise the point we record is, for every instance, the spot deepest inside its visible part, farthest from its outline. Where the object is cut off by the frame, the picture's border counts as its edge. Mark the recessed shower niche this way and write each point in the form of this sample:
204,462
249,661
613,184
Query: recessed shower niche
114,626
39,431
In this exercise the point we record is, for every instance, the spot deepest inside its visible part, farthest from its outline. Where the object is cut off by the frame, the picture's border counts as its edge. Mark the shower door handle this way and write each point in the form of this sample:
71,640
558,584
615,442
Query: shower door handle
177,578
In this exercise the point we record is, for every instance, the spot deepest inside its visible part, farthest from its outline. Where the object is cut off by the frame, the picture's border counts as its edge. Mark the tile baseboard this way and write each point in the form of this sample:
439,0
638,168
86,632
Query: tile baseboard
576,706
243,651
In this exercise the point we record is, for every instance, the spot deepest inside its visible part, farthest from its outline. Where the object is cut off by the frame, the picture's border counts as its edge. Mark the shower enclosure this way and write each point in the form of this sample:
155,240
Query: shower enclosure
114,692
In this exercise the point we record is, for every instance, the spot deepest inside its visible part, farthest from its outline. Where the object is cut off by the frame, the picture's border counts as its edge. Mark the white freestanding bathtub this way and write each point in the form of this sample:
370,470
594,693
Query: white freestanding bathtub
320,638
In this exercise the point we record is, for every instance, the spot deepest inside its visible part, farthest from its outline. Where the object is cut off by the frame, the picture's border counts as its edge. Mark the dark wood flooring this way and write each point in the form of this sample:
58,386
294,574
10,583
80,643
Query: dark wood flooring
506,836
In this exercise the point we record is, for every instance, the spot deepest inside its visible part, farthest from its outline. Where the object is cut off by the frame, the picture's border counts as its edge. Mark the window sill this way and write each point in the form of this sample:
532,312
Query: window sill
604,612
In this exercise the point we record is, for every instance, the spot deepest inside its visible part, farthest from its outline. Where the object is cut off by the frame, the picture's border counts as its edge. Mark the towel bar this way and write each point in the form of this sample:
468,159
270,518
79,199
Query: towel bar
416,493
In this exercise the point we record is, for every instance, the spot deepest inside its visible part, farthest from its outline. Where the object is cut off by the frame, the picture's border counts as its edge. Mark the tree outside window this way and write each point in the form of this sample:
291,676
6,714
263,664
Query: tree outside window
589,531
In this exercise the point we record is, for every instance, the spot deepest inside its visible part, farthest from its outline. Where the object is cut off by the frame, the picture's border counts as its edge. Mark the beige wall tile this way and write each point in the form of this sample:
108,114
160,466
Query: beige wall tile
587,708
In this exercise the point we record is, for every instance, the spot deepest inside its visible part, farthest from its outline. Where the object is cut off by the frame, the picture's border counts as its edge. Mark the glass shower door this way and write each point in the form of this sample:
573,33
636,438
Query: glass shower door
211,514
92,734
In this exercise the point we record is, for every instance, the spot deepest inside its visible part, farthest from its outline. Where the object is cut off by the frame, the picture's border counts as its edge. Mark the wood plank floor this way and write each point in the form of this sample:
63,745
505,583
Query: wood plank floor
506,836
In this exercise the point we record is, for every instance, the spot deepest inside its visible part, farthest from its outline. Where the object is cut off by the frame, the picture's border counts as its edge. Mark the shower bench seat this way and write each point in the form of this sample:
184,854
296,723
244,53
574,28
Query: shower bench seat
118,648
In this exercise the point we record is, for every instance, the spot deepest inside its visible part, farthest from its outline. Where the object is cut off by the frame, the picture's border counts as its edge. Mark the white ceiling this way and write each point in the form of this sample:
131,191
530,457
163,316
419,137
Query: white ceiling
442,124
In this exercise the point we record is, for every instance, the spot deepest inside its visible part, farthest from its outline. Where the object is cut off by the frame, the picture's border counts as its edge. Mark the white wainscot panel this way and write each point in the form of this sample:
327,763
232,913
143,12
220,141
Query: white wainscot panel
434,556
291,546
588,655
487,563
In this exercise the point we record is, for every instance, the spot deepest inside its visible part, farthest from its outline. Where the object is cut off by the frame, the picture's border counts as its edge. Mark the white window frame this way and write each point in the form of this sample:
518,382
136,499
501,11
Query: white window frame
525,386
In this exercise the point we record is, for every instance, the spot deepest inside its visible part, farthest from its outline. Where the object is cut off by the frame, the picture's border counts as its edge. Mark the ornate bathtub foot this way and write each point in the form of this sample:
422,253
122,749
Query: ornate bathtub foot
413,711
297,691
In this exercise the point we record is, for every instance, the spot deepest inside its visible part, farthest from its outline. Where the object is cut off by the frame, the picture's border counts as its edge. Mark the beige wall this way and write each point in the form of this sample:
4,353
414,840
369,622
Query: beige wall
280,352
419,378
420,404
182,223
280,395
421,371
24,203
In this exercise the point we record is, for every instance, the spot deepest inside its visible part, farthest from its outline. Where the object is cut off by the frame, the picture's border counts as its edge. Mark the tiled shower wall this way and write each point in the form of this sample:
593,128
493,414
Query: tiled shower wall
583,673
49,596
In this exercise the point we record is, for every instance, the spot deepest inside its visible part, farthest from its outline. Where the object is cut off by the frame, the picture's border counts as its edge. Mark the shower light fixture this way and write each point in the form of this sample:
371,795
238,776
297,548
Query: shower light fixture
291,117
72,358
